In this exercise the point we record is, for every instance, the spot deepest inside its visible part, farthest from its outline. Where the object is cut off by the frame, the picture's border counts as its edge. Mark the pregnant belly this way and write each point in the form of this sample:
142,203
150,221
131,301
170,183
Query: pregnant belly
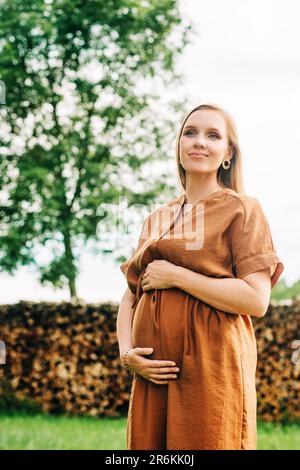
158,323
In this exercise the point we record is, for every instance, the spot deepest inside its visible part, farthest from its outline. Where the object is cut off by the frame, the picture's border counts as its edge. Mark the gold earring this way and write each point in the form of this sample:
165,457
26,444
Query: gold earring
226,164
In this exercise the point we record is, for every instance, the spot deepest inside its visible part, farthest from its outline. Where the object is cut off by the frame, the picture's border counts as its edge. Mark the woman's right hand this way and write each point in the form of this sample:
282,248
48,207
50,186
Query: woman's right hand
156,371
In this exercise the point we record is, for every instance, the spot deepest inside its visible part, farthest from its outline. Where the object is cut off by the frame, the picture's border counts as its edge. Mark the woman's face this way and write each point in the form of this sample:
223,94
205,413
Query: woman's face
204,133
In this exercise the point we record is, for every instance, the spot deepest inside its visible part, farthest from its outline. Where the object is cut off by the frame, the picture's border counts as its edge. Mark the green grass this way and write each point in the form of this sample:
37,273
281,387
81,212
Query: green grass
278,436
45,432
41,432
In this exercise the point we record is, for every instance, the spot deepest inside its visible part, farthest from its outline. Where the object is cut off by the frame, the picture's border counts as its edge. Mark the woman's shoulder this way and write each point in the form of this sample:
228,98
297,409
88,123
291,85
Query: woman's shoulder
244,208
228,193
243,200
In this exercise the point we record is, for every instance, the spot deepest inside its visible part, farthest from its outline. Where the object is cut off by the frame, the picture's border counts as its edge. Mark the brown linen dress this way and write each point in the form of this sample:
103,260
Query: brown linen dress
212,403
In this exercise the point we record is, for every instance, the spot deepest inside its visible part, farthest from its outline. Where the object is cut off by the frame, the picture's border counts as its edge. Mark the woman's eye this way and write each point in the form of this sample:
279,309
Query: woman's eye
187,132
213,133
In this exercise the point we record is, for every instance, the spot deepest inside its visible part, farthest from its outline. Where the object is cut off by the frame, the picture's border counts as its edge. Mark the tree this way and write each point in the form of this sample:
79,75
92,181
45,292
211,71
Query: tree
76,132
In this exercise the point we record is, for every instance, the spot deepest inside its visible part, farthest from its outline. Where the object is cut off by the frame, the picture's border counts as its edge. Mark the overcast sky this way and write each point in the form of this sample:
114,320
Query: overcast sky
246,59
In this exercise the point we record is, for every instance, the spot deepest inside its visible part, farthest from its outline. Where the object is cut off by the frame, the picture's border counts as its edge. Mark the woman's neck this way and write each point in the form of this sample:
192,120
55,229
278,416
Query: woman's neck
193,194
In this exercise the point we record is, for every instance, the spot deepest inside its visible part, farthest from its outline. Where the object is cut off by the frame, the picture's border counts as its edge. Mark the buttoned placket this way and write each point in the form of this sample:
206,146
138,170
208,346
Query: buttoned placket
139,291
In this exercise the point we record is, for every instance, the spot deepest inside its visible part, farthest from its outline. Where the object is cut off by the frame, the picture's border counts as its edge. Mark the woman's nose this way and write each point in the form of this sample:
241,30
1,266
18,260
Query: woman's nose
200,140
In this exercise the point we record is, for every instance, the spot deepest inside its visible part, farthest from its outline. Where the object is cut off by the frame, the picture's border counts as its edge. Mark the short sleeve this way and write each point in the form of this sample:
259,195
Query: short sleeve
252,246
125,264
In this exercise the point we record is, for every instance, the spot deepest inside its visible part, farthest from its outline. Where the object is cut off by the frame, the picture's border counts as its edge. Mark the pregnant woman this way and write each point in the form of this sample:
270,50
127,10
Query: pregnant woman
205,263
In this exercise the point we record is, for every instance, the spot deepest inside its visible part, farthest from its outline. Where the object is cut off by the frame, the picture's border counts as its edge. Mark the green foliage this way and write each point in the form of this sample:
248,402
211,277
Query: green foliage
282,292
77,133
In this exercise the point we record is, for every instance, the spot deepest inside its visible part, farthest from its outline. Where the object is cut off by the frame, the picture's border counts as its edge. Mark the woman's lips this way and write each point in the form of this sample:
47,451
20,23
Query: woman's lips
198,155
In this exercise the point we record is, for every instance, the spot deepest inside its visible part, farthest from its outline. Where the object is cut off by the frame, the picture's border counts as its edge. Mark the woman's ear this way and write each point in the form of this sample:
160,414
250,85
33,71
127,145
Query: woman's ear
230,151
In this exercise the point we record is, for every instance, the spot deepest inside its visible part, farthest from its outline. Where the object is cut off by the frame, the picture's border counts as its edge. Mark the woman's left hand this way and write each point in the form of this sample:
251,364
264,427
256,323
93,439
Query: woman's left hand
159,275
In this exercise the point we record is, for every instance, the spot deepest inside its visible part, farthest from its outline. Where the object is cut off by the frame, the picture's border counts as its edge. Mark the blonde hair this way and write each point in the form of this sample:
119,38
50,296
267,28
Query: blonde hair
230,178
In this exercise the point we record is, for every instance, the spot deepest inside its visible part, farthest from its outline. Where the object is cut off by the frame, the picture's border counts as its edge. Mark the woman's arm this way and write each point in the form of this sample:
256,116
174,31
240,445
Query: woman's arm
156,371
124,320
247,296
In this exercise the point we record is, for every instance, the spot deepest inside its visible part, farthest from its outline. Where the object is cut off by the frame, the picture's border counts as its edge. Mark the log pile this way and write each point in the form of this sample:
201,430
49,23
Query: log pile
65,358
278,364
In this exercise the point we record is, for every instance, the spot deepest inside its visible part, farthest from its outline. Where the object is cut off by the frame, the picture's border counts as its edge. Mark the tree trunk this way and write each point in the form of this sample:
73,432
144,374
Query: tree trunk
72,289
70,264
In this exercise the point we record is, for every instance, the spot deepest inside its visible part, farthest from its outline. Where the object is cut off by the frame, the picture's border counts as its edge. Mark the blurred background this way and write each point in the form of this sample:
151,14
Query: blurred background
92,95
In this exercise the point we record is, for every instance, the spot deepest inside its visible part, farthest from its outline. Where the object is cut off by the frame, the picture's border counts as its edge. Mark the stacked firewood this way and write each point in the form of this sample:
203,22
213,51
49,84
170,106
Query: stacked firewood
65,358
278,365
